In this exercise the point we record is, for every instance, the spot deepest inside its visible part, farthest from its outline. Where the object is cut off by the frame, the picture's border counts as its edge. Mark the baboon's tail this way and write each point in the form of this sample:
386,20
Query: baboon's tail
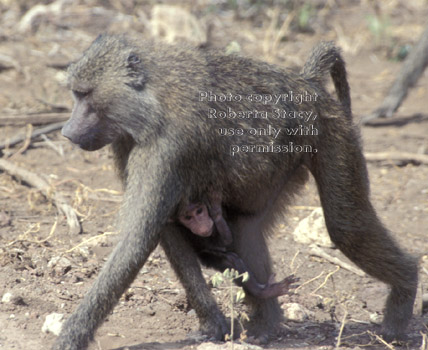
326,58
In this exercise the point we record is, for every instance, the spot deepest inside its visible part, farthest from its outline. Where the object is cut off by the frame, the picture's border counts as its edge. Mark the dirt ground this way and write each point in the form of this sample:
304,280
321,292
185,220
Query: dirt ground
46,269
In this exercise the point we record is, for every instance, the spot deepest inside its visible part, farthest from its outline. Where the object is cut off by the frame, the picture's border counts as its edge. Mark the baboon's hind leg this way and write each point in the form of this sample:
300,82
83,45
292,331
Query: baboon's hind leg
355,228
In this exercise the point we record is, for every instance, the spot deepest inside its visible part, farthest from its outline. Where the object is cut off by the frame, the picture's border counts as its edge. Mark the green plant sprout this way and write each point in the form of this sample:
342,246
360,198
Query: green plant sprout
236,294
379,27
304,16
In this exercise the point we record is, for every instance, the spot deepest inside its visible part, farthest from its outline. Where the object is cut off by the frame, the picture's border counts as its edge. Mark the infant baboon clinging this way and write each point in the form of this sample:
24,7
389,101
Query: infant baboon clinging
213,252
200,218
152,102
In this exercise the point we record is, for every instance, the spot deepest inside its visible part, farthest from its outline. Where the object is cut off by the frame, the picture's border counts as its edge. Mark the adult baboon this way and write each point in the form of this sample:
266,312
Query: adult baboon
165,109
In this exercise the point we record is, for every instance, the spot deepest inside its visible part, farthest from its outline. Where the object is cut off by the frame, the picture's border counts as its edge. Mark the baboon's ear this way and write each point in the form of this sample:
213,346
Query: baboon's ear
133,60
136,72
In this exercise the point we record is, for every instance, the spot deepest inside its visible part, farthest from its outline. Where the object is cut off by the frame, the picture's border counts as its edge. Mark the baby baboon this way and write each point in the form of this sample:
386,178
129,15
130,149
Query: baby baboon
166,111
197,219
200,220
212,253
212,250
412,69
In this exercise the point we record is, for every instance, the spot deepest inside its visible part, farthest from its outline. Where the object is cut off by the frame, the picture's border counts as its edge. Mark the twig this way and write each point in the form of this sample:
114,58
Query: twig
27,140
91,239
358,321
315,250
424,345
40,131
39,183
50,144
325,280
398,156
309,281
35,119
282,31
294,258
342,327
389,346
357,334
22,238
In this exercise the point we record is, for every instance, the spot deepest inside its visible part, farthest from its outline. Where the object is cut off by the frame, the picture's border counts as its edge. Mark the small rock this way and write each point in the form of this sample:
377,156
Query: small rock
148,310
7,298
53,323
296,312
59,265
376,318
196,336
18,300
191,313
312,230
61,78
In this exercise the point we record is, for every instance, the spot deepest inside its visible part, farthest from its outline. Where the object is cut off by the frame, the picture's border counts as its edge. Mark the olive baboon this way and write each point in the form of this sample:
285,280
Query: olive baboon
412,69
166,111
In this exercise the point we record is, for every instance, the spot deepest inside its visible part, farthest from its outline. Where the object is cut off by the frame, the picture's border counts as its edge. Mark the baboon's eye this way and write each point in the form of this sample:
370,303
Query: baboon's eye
187,217
199,211
80,94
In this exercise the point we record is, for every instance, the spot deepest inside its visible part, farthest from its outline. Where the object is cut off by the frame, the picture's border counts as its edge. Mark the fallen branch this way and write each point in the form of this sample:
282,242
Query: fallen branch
379,339
315,250
36,181
398,156
37,132
35,119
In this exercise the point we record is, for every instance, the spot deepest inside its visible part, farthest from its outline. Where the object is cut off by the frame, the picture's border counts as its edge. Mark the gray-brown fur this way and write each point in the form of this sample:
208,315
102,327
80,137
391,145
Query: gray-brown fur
146,96
412,69
326,58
